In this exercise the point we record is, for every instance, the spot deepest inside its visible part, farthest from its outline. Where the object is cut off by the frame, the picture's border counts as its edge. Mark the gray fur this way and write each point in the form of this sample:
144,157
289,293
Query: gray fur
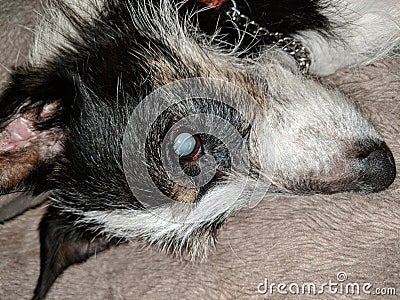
356,233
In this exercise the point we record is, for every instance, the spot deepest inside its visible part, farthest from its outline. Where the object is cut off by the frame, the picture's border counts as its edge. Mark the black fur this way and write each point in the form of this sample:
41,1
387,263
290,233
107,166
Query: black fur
62,244
287,17
98,86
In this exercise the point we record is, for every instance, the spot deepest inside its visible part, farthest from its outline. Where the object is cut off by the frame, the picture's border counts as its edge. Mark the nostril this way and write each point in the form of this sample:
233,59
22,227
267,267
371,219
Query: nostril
378,169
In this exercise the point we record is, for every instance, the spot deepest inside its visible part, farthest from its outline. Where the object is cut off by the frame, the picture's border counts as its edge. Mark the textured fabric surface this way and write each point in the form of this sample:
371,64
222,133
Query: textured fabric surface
285,240
16,23
17,20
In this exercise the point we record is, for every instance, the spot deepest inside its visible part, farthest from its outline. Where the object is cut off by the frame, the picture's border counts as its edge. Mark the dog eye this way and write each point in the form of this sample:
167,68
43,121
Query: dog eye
187,145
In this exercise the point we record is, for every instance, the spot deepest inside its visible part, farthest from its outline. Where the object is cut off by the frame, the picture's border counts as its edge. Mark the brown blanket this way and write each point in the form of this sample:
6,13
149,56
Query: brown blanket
291,240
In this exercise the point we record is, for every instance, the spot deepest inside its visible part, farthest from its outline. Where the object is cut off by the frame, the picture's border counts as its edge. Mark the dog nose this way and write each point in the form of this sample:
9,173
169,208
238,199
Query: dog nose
378,169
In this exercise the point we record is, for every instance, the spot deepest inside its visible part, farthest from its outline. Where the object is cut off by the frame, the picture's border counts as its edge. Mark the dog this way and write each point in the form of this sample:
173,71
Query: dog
158,120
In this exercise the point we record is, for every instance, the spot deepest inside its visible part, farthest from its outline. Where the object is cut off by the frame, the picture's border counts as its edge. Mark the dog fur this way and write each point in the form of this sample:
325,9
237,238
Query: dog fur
74,125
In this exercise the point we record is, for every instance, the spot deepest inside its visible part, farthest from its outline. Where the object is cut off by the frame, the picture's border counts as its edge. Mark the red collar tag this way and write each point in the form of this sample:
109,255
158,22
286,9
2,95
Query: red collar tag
213,3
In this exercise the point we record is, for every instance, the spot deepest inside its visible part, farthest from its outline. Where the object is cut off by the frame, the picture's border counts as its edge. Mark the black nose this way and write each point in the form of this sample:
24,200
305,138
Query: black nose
377,169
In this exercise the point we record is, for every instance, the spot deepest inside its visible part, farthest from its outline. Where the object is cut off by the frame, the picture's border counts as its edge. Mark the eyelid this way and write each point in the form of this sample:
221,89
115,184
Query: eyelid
181,129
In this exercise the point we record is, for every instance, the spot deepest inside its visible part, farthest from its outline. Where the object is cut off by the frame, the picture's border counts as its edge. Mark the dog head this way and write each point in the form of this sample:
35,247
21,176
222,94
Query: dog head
142,128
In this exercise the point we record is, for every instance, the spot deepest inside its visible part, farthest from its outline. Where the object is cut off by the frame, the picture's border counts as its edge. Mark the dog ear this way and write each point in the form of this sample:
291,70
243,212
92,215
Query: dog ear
31,129
62,244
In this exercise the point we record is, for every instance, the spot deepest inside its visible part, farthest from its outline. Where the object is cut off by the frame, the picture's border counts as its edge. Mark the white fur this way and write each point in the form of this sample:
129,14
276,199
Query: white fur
363,31
309,121
176,225
312,125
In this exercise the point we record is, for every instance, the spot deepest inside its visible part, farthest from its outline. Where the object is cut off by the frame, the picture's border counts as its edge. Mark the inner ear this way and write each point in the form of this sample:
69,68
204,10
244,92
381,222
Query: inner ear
28,141
31,131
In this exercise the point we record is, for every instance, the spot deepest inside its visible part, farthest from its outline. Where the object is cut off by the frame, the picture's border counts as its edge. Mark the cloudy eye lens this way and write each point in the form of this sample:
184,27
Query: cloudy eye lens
185,144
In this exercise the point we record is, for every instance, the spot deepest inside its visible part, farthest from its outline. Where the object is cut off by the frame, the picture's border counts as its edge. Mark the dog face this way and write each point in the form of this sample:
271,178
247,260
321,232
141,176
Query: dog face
119,97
